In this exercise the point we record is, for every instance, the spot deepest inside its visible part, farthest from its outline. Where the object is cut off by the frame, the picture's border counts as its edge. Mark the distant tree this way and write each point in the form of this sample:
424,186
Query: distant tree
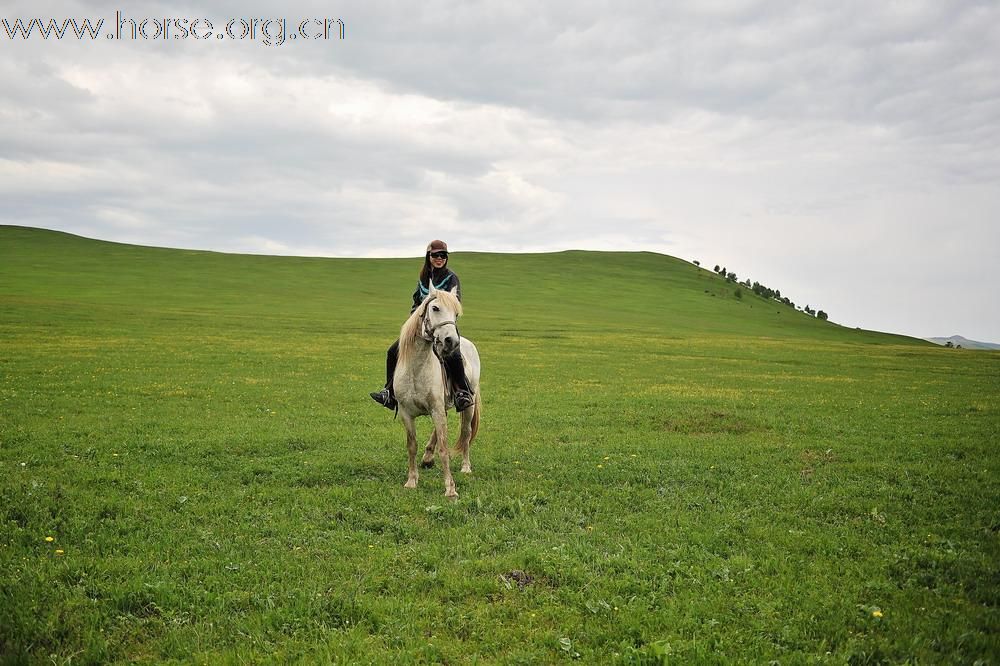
763,291
738,293
822,315
949,344
697,263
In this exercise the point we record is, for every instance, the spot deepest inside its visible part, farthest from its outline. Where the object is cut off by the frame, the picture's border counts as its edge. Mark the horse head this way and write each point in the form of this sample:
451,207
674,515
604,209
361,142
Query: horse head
441,312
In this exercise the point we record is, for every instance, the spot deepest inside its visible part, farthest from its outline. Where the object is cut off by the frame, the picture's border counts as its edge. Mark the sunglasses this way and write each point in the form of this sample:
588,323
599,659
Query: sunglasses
439,255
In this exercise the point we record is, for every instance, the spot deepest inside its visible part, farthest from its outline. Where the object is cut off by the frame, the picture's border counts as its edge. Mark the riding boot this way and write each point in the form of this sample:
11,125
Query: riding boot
386,397
456,372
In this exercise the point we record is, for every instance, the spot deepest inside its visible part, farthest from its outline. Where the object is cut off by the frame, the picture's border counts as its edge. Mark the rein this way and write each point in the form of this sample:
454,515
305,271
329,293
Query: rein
432,329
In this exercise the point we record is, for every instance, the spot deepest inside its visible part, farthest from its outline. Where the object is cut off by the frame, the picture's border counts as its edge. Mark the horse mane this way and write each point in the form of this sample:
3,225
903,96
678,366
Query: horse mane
412,327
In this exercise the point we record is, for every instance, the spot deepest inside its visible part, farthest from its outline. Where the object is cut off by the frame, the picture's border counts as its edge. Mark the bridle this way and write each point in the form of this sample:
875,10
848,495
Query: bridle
429,330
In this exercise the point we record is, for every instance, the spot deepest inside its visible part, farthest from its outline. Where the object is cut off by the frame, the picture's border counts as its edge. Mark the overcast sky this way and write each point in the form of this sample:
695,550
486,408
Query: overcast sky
846,153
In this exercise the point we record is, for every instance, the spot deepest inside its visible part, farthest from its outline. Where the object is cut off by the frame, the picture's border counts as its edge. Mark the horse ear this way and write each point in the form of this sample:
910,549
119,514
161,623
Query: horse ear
430,287
454,291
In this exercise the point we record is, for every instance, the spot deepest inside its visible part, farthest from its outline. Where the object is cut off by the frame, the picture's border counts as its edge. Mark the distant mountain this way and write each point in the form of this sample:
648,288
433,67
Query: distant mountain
958,340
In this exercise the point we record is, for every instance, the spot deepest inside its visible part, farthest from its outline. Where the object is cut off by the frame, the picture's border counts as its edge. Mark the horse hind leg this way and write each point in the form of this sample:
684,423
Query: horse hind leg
428,459
470,424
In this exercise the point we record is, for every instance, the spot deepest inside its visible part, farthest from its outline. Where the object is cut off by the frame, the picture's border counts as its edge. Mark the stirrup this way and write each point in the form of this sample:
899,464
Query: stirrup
463,400
384,398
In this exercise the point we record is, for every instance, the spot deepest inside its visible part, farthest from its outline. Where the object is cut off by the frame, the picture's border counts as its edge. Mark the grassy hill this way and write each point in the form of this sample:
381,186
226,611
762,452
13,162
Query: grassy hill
191,469
565,291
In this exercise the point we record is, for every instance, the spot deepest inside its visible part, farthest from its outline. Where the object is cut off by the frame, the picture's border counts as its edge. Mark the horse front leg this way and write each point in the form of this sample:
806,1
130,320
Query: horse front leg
411,451
441,433
465,439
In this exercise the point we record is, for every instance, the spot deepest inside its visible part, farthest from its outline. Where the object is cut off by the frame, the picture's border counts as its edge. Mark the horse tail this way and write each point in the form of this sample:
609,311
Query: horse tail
475,415
463,443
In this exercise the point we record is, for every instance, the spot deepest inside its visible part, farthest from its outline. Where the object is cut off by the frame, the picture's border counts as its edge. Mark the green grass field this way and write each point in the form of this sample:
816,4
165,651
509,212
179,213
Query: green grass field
191,470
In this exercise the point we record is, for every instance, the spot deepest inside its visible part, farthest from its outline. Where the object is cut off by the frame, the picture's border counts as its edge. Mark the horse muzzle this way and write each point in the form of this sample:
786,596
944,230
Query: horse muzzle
444,336
447,342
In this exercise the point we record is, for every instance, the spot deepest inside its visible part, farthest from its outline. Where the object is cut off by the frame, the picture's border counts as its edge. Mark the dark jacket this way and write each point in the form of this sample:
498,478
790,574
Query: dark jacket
443,279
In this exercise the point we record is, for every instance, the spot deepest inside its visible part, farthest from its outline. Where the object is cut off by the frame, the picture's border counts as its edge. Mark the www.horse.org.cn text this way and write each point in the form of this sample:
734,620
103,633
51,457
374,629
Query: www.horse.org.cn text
267,31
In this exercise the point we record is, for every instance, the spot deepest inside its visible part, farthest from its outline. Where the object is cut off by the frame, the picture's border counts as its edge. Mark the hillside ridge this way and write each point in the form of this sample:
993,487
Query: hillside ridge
534,293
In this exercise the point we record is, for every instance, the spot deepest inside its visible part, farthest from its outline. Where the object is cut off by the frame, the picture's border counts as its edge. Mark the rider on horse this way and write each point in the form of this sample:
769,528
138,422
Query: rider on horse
435,270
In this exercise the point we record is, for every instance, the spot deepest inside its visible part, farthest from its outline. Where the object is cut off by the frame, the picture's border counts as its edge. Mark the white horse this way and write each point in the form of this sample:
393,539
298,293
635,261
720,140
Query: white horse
422,387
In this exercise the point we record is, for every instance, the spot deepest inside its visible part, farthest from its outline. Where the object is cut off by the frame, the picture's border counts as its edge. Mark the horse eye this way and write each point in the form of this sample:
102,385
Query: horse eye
435,308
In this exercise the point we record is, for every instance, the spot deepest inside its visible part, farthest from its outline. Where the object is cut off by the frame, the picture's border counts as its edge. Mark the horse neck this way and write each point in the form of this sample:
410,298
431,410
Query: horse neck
412,346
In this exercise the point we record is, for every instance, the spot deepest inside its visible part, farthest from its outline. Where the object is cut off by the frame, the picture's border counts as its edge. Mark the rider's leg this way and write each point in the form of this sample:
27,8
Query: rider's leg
386,397
391,356
456,372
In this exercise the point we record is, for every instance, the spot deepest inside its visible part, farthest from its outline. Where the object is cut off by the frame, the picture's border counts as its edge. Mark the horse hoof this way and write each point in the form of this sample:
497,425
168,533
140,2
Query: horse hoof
410,484
427,464
452,497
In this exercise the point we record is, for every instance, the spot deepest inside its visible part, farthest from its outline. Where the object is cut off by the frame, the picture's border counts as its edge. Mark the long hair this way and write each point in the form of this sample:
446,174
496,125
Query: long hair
412,327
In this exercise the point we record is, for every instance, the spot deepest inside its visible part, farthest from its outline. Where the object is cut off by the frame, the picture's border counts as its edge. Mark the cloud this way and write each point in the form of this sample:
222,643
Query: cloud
778,139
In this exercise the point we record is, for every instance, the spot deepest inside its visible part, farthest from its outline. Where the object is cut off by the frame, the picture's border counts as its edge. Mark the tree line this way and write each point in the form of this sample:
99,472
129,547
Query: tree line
765,292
